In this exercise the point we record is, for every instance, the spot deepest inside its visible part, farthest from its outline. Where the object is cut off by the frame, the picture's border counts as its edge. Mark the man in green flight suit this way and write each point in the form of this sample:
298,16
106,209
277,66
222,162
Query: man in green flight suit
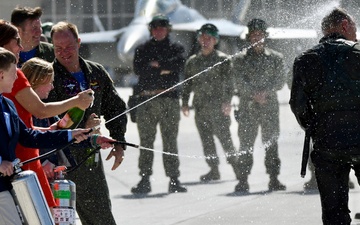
259,73
212,96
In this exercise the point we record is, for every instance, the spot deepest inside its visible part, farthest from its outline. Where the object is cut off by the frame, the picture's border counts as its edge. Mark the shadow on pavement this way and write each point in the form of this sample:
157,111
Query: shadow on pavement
304,192
307,192
140,196
192,183
245,193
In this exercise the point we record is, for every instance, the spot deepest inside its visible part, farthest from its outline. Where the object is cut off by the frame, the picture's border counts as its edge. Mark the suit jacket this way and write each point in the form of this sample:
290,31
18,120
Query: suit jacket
26,137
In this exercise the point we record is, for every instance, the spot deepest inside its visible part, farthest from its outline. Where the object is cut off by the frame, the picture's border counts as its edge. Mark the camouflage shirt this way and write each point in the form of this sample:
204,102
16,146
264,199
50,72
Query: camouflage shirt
258,73
212,85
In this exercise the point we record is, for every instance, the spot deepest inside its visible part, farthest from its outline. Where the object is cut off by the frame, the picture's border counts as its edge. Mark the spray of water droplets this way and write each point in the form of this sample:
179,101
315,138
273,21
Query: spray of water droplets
180,83
320,12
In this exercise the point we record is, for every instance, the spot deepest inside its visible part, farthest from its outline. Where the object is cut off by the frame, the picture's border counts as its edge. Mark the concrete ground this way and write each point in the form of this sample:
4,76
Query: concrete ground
216,203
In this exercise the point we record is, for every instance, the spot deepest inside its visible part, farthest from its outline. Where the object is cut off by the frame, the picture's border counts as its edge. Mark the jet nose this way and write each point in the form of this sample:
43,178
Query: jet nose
130,40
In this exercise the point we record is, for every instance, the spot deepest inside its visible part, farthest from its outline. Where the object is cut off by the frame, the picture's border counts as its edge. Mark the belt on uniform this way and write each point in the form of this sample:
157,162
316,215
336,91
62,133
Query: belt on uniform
152,92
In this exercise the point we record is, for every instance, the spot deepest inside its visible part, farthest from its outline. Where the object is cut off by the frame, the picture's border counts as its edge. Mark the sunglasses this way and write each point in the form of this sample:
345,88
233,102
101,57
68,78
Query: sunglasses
18,40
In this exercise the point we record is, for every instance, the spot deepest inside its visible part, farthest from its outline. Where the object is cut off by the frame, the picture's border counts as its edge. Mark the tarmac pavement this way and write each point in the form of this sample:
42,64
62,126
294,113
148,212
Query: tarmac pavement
215,203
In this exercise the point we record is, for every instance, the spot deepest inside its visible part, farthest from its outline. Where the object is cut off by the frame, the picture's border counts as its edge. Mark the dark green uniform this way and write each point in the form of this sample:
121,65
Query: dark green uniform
163,110
92,198
45,51
257,73
166,113
211,90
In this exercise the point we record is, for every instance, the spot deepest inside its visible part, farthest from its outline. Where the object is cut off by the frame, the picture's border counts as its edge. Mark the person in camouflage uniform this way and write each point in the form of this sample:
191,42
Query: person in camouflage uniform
259,73
158,63
212,96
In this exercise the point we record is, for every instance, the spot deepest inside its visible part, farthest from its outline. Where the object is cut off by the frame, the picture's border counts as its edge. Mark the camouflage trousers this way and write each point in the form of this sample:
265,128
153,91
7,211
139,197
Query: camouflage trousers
164,112
250,120
213,123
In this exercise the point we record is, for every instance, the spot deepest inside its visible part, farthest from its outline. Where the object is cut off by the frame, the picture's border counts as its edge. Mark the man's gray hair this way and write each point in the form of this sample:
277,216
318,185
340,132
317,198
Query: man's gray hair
334,18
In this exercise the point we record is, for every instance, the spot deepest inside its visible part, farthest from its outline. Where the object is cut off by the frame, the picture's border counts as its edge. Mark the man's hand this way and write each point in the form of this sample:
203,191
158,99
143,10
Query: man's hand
92,122
6,168
261,97
226,109
185,110
118,153
48,168
154,64
54,126
85,99
103,142
80,134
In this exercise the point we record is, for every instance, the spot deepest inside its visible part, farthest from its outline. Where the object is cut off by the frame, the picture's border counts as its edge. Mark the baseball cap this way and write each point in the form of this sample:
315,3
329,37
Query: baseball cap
209,29
159,21
257,24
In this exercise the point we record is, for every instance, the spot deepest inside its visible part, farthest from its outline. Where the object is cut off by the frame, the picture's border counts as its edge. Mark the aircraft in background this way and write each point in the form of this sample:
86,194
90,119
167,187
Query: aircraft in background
116,48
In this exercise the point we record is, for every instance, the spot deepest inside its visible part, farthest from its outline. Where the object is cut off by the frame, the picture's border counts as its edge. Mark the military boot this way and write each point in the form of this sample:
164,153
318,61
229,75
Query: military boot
143,187
214,174
275,185
243,185
175,187
311,184
351,184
